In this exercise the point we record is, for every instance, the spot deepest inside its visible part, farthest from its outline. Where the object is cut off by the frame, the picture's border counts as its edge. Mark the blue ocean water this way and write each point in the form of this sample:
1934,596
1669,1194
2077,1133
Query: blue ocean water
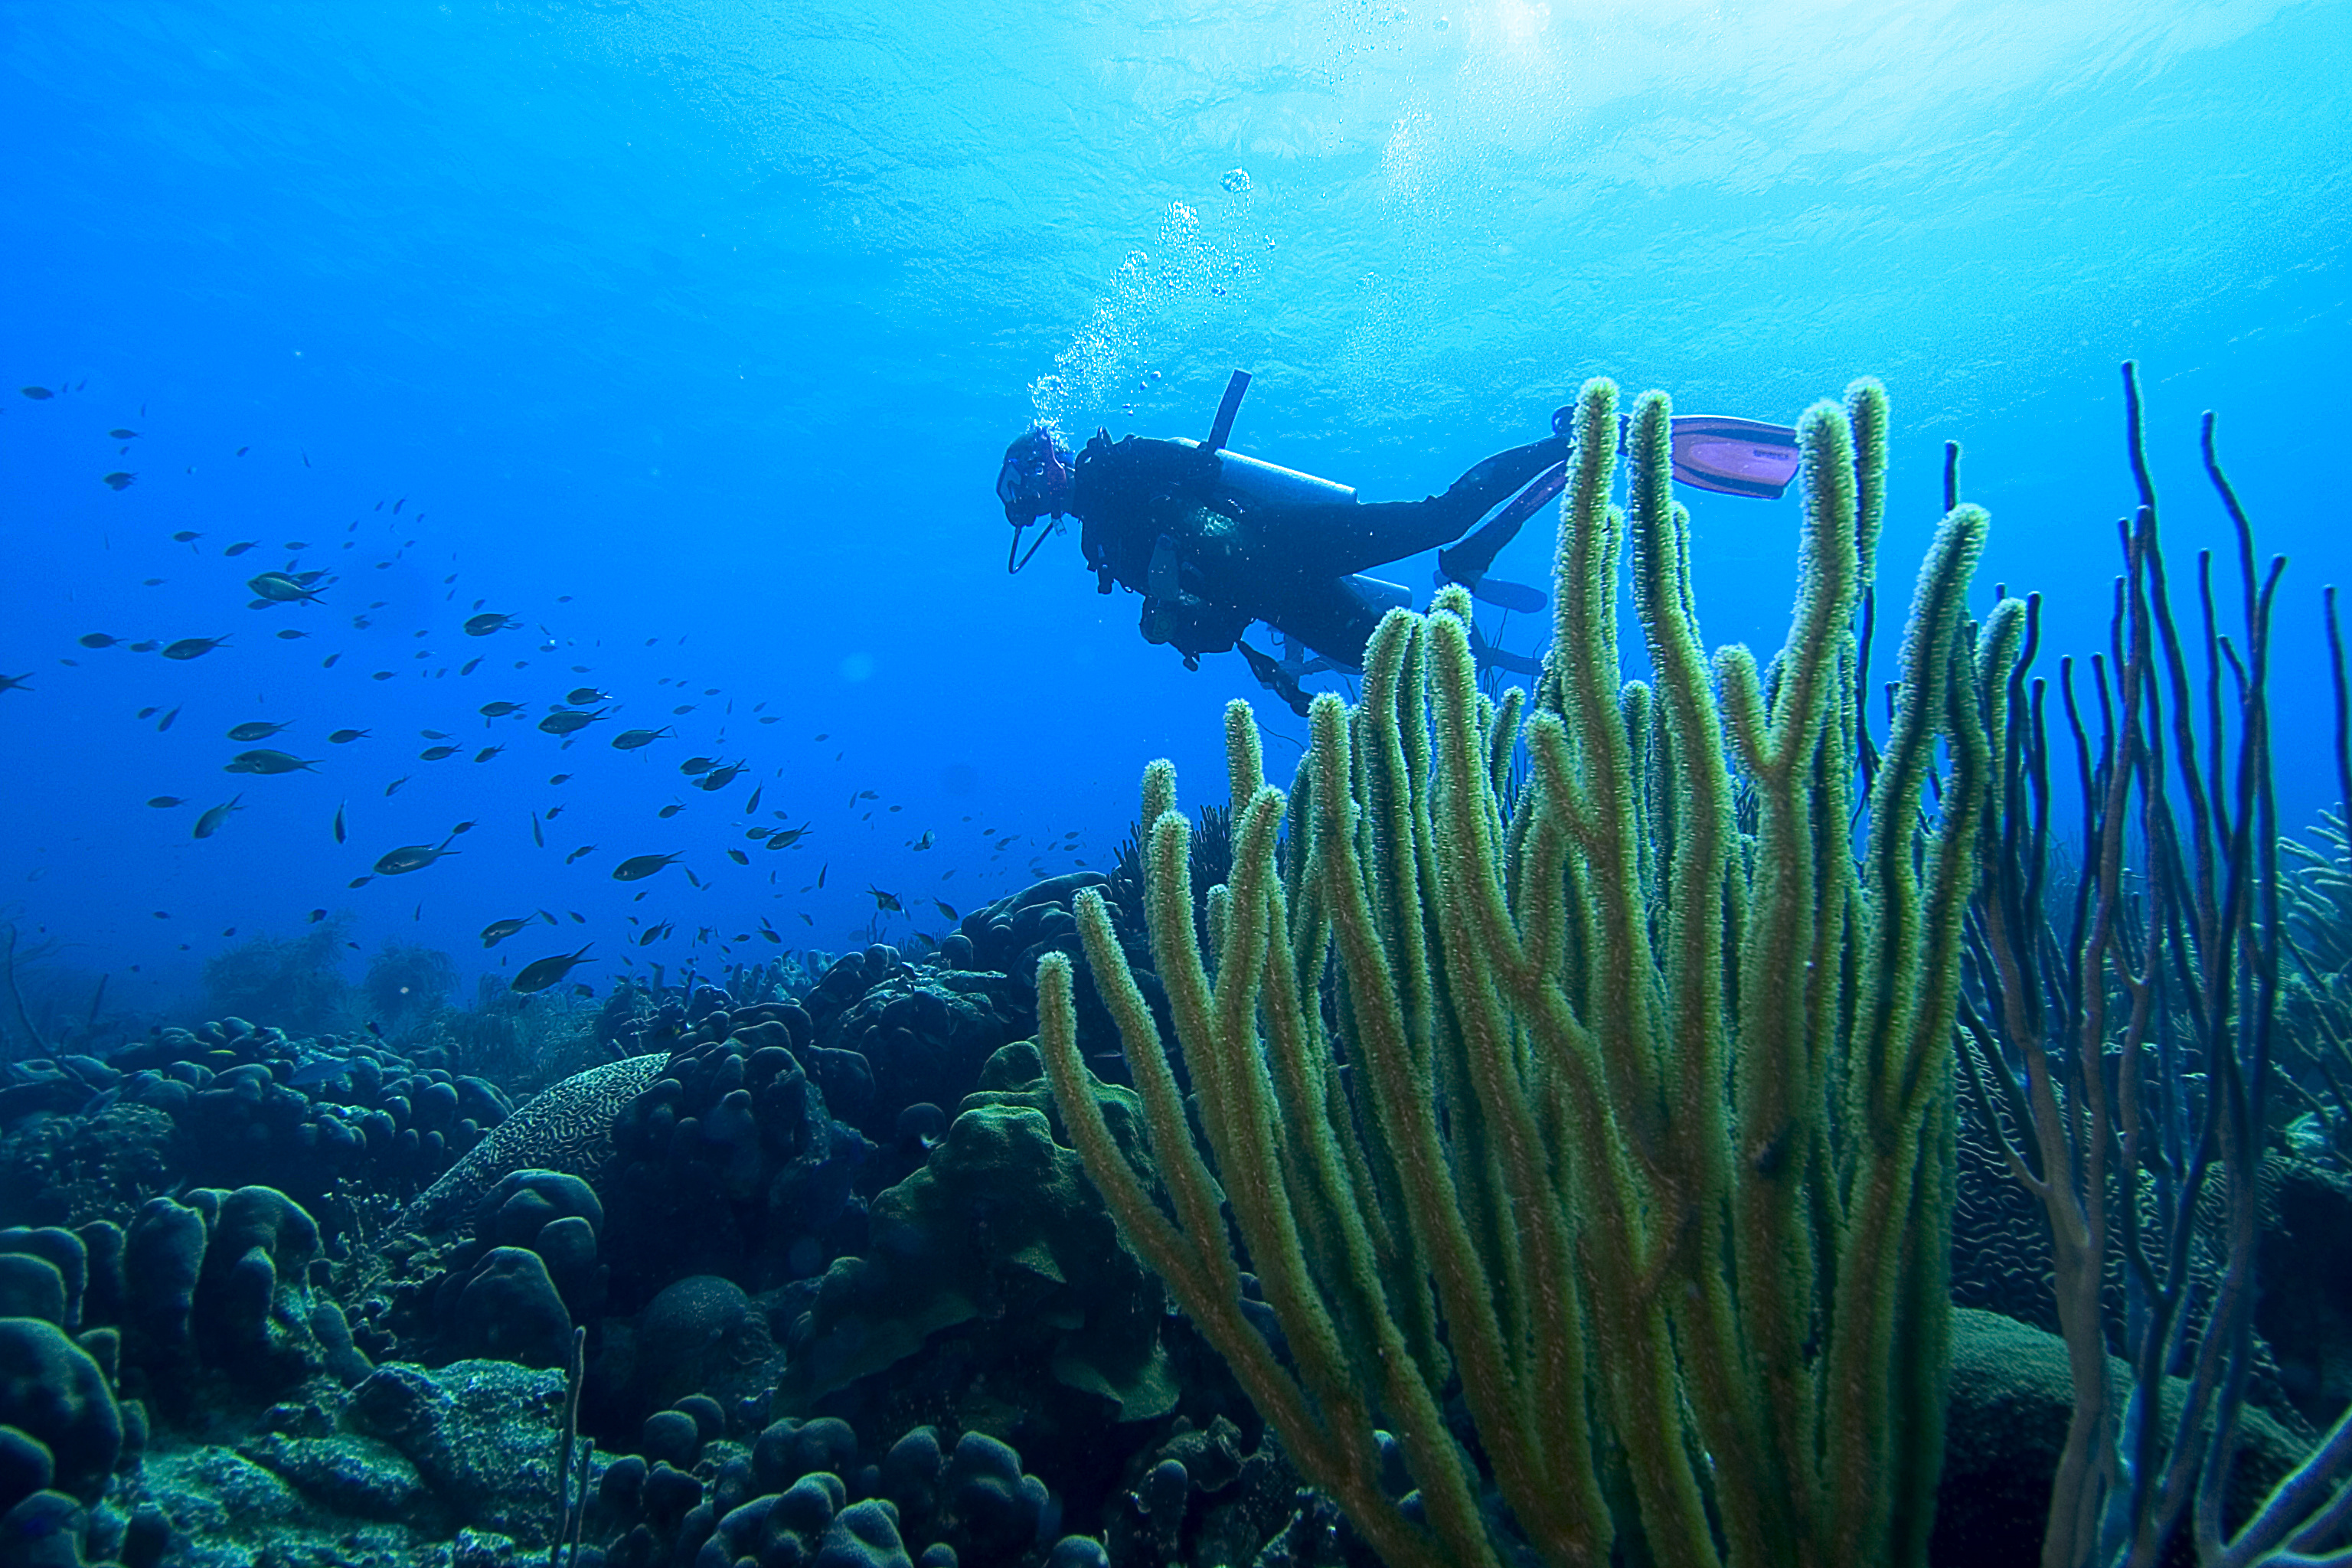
689,335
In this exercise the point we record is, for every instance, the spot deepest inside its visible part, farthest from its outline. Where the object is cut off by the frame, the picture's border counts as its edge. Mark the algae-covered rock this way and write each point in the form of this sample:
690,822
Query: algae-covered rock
1001,1224
481,1434
363,1478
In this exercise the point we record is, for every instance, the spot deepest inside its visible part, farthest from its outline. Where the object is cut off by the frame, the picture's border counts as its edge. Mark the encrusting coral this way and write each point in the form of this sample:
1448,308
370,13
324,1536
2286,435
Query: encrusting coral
1644,1128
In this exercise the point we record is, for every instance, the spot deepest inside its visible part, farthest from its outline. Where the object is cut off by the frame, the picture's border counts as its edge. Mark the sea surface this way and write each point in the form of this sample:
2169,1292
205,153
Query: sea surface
687,337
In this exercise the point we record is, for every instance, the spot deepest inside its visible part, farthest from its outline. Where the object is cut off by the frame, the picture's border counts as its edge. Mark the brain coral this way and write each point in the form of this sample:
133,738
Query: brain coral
567,1128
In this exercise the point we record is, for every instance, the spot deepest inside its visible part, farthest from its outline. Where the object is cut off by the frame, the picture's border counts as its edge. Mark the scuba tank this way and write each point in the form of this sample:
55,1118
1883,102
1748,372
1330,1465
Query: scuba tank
1264,481
1268,482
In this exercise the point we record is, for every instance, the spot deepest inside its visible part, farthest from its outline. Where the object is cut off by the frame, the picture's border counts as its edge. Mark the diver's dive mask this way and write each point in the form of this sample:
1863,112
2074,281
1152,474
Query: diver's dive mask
1035,478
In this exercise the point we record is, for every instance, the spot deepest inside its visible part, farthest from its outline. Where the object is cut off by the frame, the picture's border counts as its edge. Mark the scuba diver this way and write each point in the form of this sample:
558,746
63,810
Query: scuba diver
1214,541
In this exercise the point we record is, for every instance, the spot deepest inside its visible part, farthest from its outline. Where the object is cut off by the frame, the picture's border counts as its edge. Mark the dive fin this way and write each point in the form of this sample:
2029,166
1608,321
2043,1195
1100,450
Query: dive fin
1490,657
1734,457
1506,595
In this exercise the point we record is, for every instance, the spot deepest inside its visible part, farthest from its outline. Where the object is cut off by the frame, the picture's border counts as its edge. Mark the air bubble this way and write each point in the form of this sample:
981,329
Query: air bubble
1237,181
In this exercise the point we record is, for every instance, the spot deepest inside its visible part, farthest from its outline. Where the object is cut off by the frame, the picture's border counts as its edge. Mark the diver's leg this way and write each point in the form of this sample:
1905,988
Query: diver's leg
1341,539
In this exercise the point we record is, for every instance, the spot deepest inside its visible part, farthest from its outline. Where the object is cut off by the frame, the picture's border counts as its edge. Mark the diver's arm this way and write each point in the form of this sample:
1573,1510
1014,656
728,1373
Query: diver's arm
1140,467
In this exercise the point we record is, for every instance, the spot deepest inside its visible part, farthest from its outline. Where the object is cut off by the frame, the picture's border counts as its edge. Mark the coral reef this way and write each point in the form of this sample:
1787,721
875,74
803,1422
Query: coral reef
880,1257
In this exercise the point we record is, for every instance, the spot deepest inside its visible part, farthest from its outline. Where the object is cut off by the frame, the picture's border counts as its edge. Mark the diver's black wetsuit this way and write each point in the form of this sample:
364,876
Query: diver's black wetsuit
1230,558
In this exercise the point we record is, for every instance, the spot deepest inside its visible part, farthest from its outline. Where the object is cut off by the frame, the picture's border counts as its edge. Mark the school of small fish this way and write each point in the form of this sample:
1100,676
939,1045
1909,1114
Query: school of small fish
298,588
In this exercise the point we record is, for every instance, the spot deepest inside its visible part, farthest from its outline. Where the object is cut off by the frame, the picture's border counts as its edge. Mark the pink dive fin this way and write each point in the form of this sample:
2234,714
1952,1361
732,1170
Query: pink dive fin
1734,457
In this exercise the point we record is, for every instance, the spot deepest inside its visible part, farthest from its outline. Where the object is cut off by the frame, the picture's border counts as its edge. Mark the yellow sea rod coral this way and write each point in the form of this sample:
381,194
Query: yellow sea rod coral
1644,1133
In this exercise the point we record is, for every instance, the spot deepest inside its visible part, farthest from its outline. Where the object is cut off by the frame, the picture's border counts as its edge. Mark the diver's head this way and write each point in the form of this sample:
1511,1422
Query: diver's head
1035,478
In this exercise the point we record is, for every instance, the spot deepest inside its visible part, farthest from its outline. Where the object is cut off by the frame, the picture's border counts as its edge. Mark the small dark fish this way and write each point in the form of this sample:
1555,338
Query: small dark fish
883,901
672,809
487,753
822,735
720,778
925,842
241,546
394,785
543,973
149,712
553,812
581,696
497,932
291,633
739,857
752,804
463,828
499,710
867,794
255,730
583,849
122,434
339,824
561,778
167,800
470,666
358,881
210,822
266,762
165,721
690,876
381,675
434,735
569,721
280,588
821,871
631,740
318,915
184,535
37,393
785,838
98,639
681,710
536,835
411,858
329,662
118,481
149,646
345,737
693,765
435,753
946,908
638,867
653,934
193,647
483,626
